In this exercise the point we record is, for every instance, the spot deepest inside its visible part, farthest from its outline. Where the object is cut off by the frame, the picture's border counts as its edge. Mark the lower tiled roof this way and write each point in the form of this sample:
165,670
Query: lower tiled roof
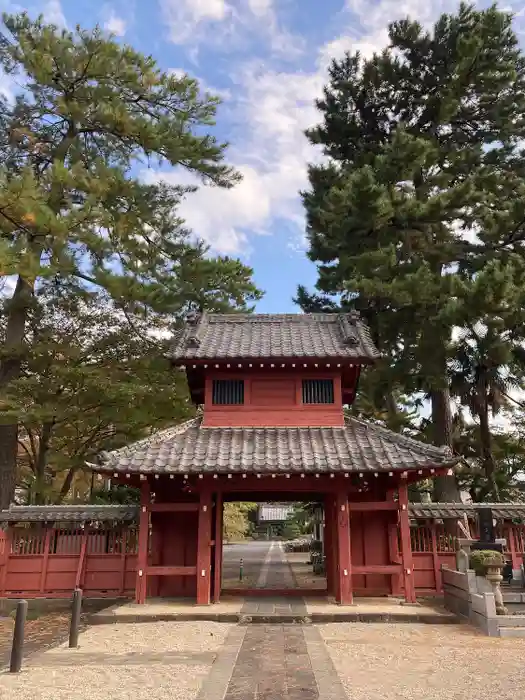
68,513
442,511
128,513
356,447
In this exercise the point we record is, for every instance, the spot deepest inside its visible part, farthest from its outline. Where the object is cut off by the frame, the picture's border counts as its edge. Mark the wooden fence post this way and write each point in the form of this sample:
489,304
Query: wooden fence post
406,545
511,546
5,548
435,558
82,559
45,560
123,559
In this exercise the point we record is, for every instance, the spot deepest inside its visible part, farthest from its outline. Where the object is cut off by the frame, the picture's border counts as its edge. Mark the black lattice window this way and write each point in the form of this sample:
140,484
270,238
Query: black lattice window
228,391
318,391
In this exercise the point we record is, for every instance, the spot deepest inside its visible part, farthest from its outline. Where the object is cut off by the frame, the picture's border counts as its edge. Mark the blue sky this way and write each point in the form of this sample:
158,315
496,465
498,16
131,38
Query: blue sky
267,59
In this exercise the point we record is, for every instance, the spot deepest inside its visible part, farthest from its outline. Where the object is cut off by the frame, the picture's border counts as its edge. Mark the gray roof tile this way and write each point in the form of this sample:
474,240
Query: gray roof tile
356,447
441,511
93,513
251,336
68,513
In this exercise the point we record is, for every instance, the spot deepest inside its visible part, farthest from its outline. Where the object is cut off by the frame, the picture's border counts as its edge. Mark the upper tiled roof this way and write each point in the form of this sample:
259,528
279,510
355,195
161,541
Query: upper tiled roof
501,511
356,447
68,513
251,336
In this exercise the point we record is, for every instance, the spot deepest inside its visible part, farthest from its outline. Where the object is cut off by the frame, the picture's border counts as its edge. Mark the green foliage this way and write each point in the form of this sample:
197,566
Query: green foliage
291,529
90,381
236,524
118,495
416,218
481,558
79,218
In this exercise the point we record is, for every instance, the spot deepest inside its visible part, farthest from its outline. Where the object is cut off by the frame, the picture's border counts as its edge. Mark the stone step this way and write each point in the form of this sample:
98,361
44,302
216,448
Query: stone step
512,632
513,596
515,608
105,618
511,621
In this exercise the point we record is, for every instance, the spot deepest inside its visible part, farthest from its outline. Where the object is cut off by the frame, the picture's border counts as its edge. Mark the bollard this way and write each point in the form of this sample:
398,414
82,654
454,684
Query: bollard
241,567
75,618
17,650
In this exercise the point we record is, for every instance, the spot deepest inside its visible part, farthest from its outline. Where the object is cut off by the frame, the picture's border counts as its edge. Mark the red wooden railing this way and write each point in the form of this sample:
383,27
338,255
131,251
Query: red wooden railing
50,562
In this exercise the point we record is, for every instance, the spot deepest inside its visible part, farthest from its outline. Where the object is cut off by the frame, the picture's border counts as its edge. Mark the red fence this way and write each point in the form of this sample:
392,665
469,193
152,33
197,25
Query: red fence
432,547
37,563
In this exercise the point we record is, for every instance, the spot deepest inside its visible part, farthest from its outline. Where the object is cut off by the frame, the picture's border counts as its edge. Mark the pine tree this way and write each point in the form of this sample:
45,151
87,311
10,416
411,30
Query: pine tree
90,114
90,381
422,186
488,355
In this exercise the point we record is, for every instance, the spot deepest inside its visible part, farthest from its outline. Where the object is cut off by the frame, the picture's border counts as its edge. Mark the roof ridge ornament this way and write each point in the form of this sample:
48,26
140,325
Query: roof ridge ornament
193,321
347,324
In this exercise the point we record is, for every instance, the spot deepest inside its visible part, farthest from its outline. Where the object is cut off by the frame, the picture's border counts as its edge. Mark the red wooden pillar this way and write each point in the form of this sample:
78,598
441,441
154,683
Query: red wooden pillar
330,559
218,548
393,548
406,547
435,558
142,553
344,562
82,558
5,551
157,534
511,545
203,549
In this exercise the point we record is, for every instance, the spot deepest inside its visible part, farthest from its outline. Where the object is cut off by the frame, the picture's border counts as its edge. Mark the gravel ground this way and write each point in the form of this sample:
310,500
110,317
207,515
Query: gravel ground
302,571
451,662
153,661
44,631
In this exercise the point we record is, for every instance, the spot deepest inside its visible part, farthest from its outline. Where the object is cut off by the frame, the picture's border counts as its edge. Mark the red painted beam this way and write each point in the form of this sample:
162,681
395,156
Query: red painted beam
171,570
377,569
366,507
173,507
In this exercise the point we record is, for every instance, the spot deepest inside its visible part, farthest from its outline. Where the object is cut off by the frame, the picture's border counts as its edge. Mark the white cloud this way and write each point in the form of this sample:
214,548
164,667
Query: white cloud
53,13
115,24
271,109
260,7
185,17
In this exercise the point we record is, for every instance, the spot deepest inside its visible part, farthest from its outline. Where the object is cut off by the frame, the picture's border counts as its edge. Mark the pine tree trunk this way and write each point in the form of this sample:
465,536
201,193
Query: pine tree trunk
66,486
41,462
392,409
445,487
8,448
18,309
485,437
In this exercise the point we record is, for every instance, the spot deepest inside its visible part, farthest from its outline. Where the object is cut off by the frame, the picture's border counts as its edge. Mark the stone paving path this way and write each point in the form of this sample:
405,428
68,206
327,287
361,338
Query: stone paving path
273,662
